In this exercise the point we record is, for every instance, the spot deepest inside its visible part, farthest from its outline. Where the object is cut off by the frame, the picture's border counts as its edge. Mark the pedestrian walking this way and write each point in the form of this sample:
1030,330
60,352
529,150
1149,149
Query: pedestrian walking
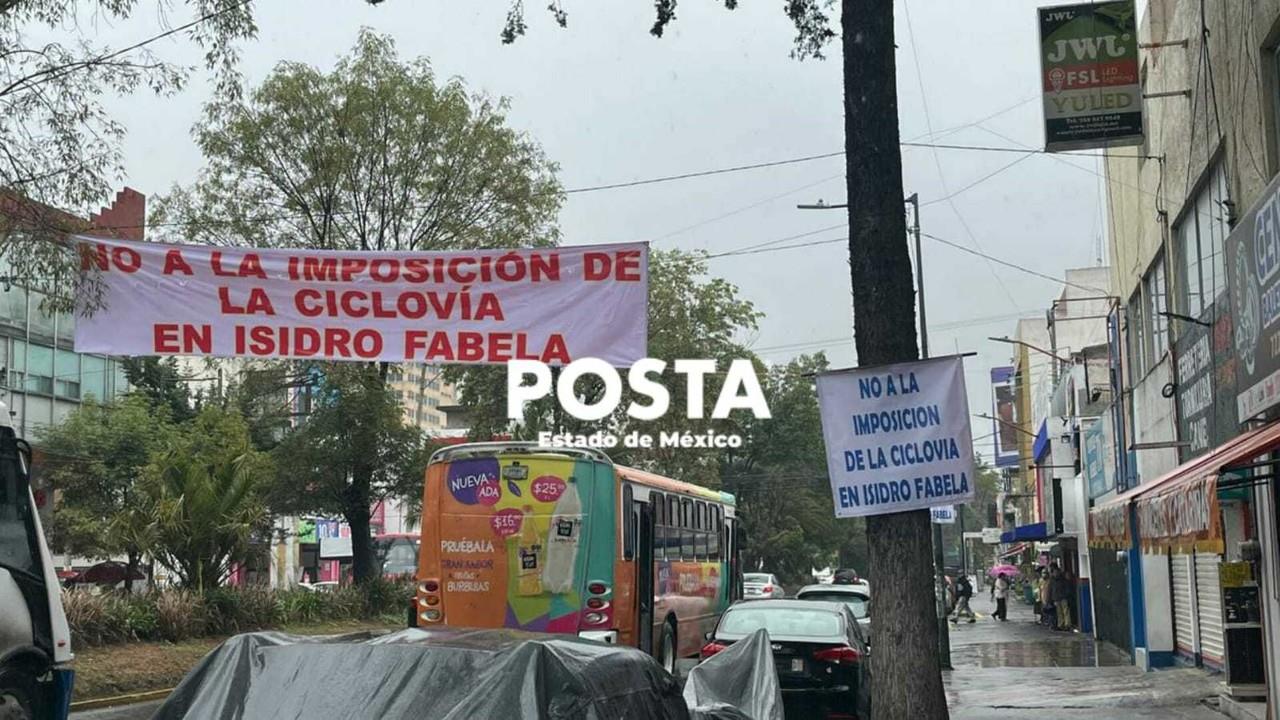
1001,592
964,592
1047,586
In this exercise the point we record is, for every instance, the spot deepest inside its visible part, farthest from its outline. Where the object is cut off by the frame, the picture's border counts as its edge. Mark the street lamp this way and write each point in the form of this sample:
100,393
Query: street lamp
1029,346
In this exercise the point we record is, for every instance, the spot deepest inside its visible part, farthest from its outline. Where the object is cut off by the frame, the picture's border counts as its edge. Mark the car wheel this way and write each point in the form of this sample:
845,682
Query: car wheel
17,696
667,648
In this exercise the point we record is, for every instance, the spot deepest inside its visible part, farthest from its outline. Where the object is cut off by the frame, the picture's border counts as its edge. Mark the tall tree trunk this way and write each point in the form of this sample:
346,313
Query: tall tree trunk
908,679
131,567
357,514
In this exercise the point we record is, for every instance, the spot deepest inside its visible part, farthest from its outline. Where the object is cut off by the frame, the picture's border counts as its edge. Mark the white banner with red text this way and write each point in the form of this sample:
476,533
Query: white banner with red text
553,304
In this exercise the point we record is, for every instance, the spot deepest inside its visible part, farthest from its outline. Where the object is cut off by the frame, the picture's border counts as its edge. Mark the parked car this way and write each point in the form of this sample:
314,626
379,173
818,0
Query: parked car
322,586
857,597
819,650
759,586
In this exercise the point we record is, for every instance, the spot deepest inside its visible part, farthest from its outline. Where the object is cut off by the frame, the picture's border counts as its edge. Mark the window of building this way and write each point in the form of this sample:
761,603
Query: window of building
1200,238
1135,338
67,381
93,382
39,370
1155,305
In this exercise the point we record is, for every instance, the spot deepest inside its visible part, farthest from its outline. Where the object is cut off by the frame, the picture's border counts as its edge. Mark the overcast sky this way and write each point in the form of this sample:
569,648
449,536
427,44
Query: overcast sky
610,103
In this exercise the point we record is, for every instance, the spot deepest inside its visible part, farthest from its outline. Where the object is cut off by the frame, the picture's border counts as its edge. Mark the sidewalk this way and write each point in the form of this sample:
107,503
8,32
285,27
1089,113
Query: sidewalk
1019,669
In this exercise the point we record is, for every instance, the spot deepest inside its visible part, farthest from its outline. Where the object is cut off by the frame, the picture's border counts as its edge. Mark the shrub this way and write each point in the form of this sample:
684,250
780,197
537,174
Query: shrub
140,610
236,610
180,615
96,619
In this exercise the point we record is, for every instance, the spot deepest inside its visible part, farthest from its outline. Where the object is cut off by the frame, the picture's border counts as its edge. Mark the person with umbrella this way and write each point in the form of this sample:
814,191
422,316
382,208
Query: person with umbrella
1001,590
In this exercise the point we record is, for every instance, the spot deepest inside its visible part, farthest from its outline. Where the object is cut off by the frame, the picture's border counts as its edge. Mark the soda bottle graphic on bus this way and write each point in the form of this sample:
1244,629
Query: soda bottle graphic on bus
528,551
563,539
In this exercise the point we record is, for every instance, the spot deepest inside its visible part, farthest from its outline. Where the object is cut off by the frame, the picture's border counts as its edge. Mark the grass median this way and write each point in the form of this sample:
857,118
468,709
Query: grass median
134,667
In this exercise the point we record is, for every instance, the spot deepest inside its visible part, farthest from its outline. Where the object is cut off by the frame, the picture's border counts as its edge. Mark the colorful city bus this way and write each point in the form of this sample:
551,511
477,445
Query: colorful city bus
561,540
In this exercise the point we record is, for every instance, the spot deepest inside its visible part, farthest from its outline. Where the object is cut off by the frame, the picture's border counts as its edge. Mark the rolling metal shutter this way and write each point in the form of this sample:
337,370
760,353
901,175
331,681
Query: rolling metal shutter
1209,608
1184,628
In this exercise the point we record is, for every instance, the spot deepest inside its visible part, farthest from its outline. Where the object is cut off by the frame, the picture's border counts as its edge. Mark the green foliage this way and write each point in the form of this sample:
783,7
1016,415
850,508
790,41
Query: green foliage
160,381
204,493
94,460
60,145
374,155
174,615
810,18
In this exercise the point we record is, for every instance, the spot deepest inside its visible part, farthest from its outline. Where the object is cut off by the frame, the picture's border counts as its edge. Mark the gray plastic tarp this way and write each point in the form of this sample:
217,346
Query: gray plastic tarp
441,674
737,682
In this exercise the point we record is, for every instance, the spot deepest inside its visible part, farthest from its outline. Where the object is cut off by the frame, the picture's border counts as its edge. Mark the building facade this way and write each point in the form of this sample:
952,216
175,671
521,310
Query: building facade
1179,467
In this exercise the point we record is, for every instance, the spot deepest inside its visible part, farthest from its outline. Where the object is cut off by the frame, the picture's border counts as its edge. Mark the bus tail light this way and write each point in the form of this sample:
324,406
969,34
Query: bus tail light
431,600
431,586
595,603
594,618
432,615
597,588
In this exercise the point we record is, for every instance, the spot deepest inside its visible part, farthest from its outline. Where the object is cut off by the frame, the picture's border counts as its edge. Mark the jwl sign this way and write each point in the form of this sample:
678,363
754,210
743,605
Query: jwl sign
1089,68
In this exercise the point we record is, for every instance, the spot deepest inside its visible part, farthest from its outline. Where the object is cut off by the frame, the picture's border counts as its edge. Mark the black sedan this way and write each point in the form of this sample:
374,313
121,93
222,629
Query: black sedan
818,649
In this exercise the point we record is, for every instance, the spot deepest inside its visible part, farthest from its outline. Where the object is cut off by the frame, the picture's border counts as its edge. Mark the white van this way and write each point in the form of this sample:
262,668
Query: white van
35,641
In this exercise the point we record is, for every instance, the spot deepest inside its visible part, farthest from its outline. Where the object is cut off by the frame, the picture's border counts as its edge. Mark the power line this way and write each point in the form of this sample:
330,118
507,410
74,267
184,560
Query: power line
702,173
741,250
977,182
1015,266
942,179
777,248
745,208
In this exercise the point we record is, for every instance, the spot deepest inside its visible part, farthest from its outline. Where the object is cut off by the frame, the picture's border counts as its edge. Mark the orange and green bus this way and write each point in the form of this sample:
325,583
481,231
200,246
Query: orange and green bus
562,540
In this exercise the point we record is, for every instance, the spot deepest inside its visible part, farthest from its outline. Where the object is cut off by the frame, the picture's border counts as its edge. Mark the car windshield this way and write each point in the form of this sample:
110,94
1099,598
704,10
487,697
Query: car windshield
856,603
755,578
781,621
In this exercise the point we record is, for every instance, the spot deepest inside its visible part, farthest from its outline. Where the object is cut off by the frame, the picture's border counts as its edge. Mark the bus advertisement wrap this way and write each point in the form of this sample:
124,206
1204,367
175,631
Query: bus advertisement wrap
553,304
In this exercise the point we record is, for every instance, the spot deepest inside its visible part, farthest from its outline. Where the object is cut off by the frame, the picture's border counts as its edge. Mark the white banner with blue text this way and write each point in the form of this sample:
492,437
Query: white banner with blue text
897,436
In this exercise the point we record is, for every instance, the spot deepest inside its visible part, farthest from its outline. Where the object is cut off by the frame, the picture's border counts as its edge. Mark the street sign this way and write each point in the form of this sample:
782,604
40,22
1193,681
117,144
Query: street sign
991,536
897,436
943,514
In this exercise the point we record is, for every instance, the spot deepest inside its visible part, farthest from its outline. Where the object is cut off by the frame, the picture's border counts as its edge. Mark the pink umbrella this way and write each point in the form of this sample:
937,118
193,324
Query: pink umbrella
999,570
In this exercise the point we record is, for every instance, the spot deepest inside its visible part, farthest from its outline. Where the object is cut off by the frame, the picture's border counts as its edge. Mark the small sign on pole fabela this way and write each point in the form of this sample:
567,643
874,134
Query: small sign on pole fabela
897,436
1089,75
943,514
991,536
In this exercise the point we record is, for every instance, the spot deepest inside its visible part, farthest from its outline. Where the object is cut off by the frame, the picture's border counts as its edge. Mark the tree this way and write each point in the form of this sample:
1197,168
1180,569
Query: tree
59,147
94,462
204,493
779,476
160,381
352,451
375,155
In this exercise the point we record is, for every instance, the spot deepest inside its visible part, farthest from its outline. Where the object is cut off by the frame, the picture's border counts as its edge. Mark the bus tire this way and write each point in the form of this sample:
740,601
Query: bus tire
17,695
667,647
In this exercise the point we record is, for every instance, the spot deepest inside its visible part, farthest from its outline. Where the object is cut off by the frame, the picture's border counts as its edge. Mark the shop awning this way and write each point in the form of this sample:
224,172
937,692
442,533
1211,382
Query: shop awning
1197,477
1013,550
1041,445
1037,531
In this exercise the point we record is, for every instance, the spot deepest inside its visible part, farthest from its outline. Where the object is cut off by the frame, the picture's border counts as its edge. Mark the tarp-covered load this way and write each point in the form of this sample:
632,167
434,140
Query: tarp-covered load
446,674
738,683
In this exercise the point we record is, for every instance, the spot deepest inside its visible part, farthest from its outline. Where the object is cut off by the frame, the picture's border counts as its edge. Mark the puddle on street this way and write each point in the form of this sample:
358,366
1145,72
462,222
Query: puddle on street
1063,653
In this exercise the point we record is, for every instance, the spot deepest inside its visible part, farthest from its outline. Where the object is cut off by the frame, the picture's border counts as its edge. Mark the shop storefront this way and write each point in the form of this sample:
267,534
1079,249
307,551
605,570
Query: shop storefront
1108,545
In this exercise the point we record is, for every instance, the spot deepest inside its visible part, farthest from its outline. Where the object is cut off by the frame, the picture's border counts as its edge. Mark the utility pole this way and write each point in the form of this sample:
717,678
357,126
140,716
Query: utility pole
939,557
905,663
